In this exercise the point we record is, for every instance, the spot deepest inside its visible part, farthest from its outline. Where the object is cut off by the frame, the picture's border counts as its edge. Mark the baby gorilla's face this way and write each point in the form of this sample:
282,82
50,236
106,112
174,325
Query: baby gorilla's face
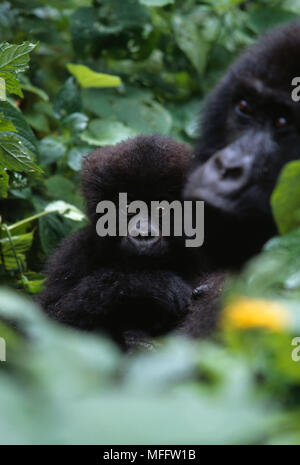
141,228
148,170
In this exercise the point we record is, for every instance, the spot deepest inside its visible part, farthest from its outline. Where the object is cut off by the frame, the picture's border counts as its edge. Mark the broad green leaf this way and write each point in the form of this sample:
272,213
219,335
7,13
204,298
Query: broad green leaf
291,5
68,99
21,245
24,132
156,2
4,178
37,120
17,142
285,199
54,227
190,41
15,58
222,6
75,122
65,209
136,109
266,17
76,155
58,187
101,132
51,150
89,78
32,282
34,286
12,85
26,85
6,125
13,154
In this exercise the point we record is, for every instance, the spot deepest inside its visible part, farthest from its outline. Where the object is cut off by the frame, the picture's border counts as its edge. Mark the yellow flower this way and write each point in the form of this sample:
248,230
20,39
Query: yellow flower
246,313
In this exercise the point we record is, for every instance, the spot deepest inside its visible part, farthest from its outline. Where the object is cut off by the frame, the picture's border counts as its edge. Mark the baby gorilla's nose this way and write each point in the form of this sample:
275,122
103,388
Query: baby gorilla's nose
143,241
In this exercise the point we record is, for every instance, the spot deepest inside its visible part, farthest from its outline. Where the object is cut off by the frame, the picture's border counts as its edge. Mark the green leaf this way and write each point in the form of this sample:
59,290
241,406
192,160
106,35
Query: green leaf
150,3
190,41
68,99
33,286
222,6
75,122
136,109
101,132
12,84
26,85
66,210
291,5
114,25
267,17
13,154
59,187
15,58
24,132
51,150
52,229
6,125
75,156
37,120
285,199
4,178
21,243
89,78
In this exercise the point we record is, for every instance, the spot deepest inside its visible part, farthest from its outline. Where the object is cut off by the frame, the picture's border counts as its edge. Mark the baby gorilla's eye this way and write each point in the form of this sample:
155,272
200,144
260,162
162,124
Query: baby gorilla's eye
281,122
243,107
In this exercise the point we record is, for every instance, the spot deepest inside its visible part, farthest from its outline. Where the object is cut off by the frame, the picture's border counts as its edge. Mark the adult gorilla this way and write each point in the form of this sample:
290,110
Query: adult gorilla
251,129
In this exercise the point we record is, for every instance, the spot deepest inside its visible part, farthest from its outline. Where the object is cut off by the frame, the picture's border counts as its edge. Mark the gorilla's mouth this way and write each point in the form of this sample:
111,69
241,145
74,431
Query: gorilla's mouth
211,198
212,194
143,246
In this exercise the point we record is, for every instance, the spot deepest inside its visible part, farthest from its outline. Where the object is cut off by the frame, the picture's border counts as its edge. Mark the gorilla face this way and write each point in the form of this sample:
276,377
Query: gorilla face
148,170
251,130
262,135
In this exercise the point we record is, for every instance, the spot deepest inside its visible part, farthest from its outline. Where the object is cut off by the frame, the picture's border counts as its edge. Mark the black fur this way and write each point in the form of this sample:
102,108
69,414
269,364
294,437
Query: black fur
103,283
241,151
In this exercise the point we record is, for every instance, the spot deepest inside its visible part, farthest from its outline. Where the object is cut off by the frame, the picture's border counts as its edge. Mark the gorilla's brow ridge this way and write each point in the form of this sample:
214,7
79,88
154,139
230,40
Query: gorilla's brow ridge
256,86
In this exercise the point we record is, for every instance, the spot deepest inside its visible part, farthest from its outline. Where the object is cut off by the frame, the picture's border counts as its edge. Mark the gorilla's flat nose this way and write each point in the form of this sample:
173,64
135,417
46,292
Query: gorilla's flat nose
143,241
228,169
221,177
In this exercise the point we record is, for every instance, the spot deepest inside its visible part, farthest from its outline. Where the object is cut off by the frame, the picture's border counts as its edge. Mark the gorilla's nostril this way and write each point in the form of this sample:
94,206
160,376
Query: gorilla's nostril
219,164
232,173
146,240
227,169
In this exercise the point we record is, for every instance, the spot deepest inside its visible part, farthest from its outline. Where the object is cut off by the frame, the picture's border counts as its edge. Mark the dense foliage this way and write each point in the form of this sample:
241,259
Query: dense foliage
99,72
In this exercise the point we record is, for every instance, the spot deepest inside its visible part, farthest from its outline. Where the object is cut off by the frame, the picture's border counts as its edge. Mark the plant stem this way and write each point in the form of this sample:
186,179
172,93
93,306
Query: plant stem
27,220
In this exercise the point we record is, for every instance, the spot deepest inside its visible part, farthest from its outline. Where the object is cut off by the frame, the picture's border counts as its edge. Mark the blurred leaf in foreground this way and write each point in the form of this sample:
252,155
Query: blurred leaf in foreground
285,199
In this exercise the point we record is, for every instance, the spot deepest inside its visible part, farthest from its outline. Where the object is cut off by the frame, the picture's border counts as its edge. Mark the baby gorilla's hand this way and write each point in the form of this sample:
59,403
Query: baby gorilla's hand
153,301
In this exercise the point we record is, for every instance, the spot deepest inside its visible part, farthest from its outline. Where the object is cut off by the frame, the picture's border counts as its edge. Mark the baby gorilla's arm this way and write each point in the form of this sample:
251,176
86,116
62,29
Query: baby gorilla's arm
87,304
154,301
114,300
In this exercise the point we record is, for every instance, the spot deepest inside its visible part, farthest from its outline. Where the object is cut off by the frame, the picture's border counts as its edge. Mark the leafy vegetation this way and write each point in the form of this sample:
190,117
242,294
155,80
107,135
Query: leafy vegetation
99,72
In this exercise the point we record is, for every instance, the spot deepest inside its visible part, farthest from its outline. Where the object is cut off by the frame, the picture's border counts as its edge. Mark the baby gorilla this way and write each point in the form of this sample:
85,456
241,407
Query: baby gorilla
129,283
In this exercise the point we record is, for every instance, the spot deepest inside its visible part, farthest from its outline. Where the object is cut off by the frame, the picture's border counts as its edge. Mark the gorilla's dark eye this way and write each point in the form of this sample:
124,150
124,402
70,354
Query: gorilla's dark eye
243,107
281,122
